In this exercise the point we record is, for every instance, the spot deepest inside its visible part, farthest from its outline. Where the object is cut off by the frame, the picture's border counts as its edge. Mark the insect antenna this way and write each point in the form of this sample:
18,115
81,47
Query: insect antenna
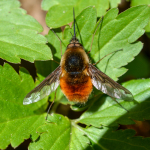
74,23
50,105
74,28
94,34
59,40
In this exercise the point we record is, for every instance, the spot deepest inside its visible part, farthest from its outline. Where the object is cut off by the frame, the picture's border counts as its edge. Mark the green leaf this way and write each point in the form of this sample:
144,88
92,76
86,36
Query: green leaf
107,138
135,72
120,33
61,134
147,29
61,13
18,35
143,2
106,111
17,122
114,3
139,2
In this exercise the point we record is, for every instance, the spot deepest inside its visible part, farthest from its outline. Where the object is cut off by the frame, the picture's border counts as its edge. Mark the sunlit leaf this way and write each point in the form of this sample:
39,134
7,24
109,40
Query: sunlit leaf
139,2
60,13
143,2
17,121
61,134
114,3
19,38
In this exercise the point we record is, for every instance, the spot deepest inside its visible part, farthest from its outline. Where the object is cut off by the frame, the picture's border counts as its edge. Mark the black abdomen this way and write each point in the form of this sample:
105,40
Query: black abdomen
74,64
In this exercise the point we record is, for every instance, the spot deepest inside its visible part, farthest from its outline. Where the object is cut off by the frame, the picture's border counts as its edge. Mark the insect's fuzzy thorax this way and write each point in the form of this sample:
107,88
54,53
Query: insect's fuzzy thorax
74,59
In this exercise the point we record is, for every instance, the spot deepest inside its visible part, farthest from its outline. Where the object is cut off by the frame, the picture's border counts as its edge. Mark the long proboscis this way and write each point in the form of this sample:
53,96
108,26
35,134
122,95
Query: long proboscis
74,22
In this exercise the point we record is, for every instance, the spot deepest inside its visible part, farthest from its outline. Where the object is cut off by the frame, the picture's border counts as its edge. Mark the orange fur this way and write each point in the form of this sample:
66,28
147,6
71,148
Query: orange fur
76,89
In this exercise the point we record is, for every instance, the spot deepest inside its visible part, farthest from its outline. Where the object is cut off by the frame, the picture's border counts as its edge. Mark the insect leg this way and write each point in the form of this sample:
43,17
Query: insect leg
119,104
107,55
94,34
51,105
56,61
59,40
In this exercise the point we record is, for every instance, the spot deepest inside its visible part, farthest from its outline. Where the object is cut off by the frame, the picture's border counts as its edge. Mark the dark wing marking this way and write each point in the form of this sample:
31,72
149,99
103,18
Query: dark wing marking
108,86
48,85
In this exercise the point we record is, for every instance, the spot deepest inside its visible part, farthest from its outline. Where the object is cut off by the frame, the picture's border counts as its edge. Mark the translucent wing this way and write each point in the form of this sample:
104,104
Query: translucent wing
108,86
48,85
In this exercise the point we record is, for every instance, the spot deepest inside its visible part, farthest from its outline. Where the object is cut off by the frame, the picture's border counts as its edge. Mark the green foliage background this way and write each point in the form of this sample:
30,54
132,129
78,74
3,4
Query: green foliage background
20,39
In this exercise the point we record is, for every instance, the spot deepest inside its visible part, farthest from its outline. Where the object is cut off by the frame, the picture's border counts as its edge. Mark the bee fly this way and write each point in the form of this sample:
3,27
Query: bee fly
76,77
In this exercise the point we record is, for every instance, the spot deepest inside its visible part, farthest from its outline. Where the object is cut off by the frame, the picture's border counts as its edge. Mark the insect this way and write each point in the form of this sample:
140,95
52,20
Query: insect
76,77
